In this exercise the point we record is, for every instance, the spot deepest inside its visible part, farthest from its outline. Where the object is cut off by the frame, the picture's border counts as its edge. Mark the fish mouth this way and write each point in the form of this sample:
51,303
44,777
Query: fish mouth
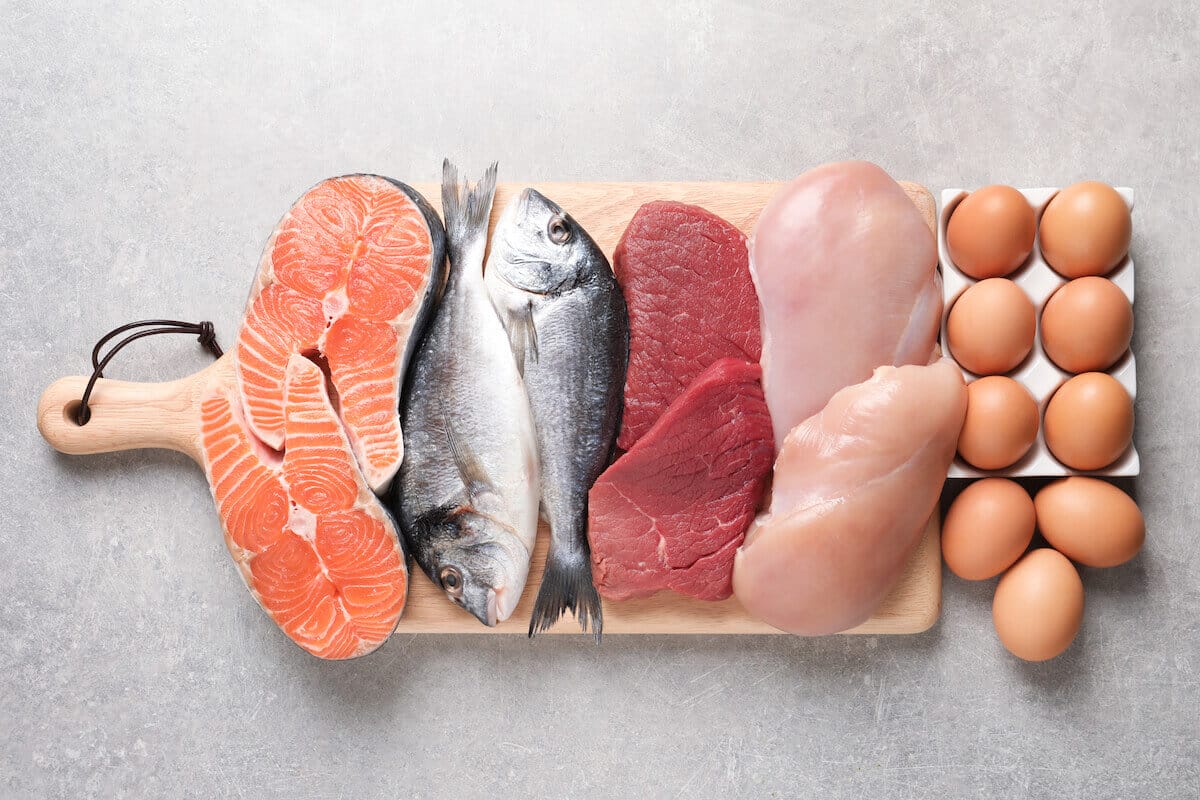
498,608
491,609
501,604
529,196
518,207
514,211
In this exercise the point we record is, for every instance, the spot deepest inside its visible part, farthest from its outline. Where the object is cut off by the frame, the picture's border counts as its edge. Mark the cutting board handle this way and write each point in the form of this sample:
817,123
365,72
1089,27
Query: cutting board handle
124,415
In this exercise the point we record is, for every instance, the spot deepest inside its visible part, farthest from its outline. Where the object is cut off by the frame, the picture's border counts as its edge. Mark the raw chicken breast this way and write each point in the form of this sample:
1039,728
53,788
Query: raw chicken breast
854,487
846,272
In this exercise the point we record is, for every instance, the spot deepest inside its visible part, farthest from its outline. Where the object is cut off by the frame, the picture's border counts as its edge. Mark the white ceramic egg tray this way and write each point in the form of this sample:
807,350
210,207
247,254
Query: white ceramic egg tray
1037,372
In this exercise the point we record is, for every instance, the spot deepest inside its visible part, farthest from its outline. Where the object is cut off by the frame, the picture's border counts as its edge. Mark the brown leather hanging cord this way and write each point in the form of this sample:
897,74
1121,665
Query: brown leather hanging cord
203,330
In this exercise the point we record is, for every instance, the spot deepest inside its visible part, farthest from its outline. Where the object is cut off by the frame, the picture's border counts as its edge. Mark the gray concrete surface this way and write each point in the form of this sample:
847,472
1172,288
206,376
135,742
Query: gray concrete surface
145,153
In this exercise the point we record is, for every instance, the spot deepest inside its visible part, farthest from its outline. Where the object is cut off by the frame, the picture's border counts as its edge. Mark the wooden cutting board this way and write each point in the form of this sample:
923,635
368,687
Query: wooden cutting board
128,416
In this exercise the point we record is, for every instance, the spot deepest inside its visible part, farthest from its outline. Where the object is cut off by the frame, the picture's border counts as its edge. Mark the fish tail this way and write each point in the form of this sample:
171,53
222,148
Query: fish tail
466,208
567,586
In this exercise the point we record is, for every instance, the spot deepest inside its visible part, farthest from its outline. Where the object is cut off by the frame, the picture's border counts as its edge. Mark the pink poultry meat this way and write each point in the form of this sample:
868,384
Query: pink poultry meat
854,486
846,272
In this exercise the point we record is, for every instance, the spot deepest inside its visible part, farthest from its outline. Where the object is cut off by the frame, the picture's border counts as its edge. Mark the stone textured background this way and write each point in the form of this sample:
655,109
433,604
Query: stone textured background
145,154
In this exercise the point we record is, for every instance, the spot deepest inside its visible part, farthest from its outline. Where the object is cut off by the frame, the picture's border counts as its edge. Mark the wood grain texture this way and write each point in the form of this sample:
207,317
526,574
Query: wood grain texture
128,416
912,606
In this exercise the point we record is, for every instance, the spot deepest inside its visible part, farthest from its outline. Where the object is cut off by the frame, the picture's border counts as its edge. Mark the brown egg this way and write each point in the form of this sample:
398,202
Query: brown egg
991,327
1038,606
1087,325
1089,421
1090,521
991,232
988,526
1001,423
1085,230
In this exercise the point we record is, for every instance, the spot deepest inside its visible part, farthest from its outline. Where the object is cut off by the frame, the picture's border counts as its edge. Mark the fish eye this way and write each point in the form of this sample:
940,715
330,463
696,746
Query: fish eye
557,230
451,580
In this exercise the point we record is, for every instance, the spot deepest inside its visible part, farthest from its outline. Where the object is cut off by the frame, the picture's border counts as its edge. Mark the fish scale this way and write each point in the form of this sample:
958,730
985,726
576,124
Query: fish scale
467,491
568,327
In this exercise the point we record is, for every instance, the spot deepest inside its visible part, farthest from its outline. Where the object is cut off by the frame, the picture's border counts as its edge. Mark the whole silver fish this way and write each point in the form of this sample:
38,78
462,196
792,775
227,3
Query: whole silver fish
569,328
467,493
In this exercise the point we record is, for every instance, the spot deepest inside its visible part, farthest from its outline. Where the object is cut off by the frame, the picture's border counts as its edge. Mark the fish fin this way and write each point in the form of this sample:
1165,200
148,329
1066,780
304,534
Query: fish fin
474,477
531,329
567,585
522,336
465,208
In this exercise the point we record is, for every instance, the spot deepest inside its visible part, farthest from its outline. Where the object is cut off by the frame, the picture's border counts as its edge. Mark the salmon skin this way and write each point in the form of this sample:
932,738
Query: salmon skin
569,330
312,542
348,276
467,492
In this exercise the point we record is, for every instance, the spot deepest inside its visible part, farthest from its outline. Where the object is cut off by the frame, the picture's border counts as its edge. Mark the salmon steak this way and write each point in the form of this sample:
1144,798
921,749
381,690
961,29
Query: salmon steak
348,277
310,539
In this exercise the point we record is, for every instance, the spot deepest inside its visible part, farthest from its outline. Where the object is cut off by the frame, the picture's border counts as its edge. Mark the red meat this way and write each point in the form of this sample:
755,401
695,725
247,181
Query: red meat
672,512
686,277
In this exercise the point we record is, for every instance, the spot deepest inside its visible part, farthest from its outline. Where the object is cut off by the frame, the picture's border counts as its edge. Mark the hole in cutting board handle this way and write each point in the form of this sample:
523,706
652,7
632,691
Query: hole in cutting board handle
71,414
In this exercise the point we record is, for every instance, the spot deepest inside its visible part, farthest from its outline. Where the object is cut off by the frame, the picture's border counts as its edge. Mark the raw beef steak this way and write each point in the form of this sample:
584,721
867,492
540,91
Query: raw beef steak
686,277
672,512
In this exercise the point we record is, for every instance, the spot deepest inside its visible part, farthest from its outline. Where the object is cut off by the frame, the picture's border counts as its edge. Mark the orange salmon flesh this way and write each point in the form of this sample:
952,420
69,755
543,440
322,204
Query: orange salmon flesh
343,277
309,538
297,446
